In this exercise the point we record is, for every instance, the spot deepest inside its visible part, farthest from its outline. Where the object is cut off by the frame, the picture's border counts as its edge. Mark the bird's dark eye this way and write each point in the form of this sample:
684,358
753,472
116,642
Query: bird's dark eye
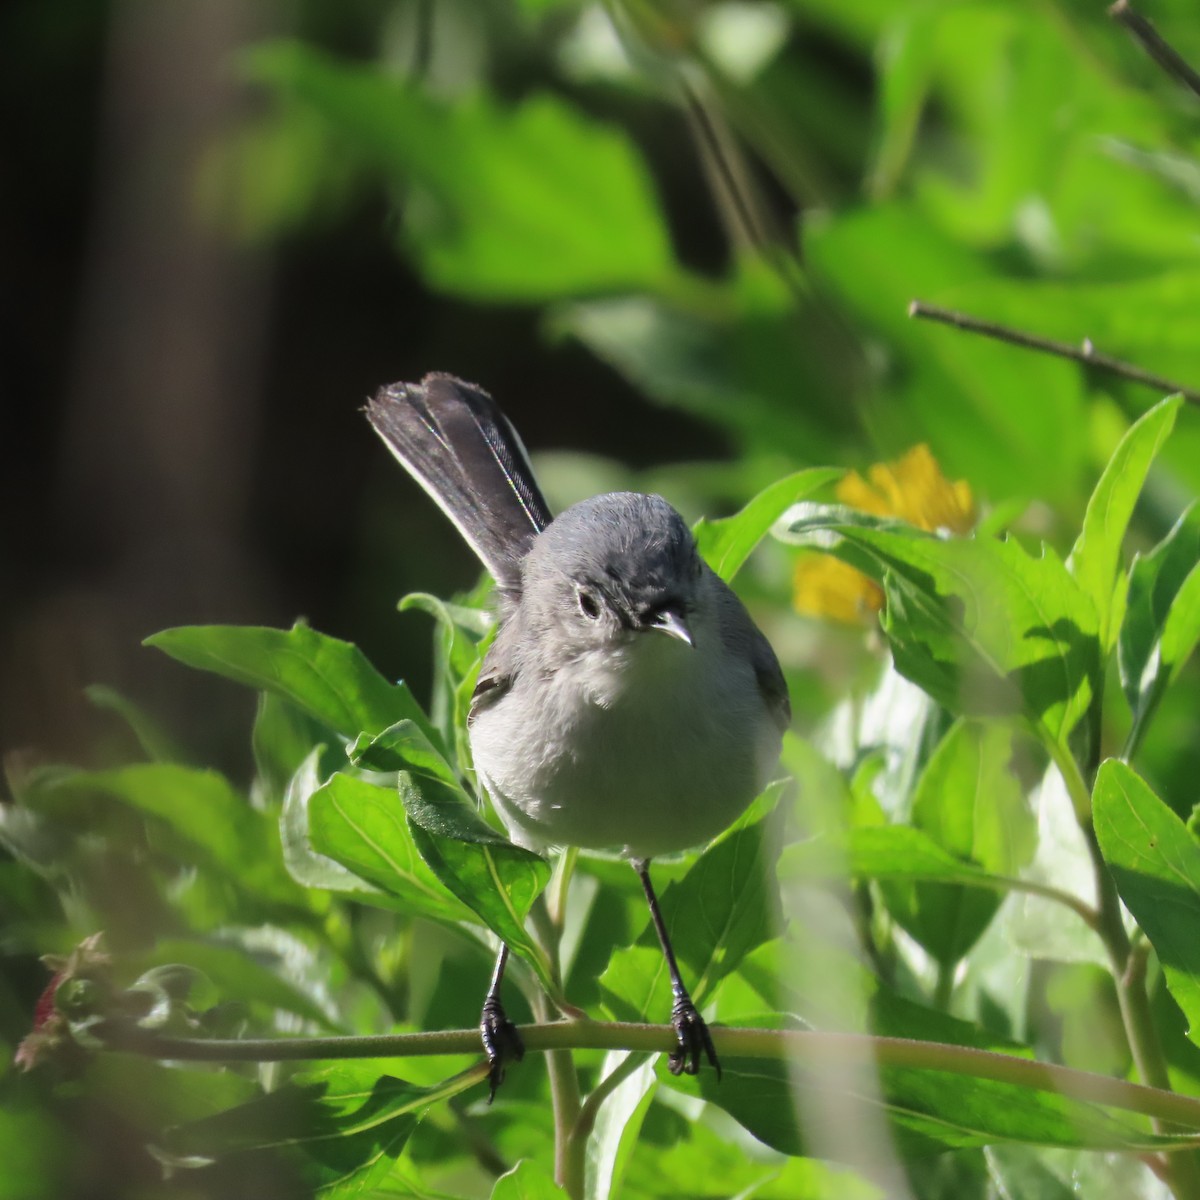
589,605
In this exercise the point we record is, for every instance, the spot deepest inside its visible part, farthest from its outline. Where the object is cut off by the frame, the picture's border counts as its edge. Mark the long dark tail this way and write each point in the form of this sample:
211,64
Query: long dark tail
456,443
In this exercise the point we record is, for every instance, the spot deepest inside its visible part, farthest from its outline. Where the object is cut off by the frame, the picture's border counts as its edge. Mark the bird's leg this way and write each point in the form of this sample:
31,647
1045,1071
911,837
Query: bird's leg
691,1033
501,1040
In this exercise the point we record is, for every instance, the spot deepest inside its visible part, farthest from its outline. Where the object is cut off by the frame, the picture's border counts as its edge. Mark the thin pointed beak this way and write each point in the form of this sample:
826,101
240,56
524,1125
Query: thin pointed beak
671,623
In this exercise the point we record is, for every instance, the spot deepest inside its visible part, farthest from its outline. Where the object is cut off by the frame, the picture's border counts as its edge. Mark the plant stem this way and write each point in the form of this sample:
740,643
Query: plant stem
944,987
560,1063
803,1048
1155,45
1085,353
565,1104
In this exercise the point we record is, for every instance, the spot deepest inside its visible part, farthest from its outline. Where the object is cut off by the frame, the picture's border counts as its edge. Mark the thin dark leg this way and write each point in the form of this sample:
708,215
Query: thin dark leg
501,1040
691,1032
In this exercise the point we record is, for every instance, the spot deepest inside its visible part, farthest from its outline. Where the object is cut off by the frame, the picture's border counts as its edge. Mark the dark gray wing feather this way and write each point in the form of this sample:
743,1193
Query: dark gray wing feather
454,440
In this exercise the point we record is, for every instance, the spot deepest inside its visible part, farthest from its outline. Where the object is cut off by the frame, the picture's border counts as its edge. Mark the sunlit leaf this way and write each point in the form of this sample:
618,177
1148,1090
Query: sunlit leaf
727,904
329,679
527,1181
727,542
1155,863
982,626
1096,555
364,828
970,803
504,202
496,879
1162,616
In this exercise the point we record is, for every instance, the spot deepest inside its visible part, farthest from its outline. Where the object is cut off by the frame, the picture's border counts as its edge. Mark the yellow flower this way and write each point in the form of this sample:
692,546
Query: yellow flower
912,488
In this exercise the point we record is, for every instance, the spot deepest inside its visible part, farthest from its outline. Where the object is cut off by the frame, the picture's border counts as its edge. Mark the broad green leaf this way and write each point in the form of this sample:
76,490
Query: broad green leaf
338,1129
702,1159
725,544
968,801
363,828
329,679
212,819
504,201
1162,617
527,1181
402,747
304,863
283,738
1155,863
615,1134
496,879
1020,1171
725,906
927,1111
982,626
460,640
465,618
1096,556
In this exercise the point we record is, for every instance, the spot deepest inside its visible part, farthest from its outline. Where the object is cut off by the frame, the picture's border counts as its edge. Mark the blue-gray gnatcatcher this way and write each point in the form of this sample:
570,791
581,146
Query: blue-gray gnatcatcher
588,727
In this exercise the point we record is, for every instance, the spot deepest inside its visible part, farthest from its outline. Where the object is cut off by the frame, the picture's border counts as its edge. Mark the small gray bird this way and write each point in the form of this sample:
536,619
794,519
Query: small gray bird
628,701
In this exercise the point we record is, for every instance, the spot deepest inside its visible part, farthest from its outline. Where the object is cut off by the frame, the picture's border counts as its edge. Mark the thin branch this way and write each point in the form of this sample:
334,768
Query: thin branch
804,1049
1085,353
1155,45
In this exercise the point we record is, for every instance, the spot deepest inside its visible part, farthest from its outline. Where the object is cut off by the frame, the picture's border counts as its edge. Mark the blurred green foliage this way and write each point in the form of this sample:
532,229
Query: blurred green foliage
952,861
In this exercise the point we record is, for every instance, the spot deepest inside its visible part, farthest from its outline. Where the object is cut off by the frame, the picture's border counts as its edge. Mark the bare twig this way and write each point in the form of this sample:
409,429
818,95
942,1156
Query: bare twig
1155,45
1085,353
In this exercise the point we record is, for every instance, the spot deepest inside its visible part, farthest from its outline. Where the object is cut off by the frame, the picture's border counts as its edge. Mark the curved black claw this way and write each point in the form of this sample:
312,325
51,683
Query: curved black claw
501,1042
691,1036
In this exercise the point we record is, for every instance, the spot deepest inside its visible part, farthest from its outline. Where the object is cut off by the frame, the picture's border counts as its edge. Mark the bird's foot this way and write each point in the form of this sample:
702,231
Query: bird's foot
691,1036
501,1042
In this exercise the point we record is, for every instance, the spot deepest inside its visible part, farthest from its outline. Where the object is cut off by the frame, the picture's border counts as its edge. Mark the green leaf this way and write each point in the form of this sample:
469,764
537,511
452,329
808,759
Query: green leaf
338,1129
527,1181
159,747
329,679
402,747
304,863
725,544
496,879
1162,617
928,1111
1155,863
981,625
1095,558
968,801
725,906
283,738
203,809
459,643
363,828
503,201
615,1133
